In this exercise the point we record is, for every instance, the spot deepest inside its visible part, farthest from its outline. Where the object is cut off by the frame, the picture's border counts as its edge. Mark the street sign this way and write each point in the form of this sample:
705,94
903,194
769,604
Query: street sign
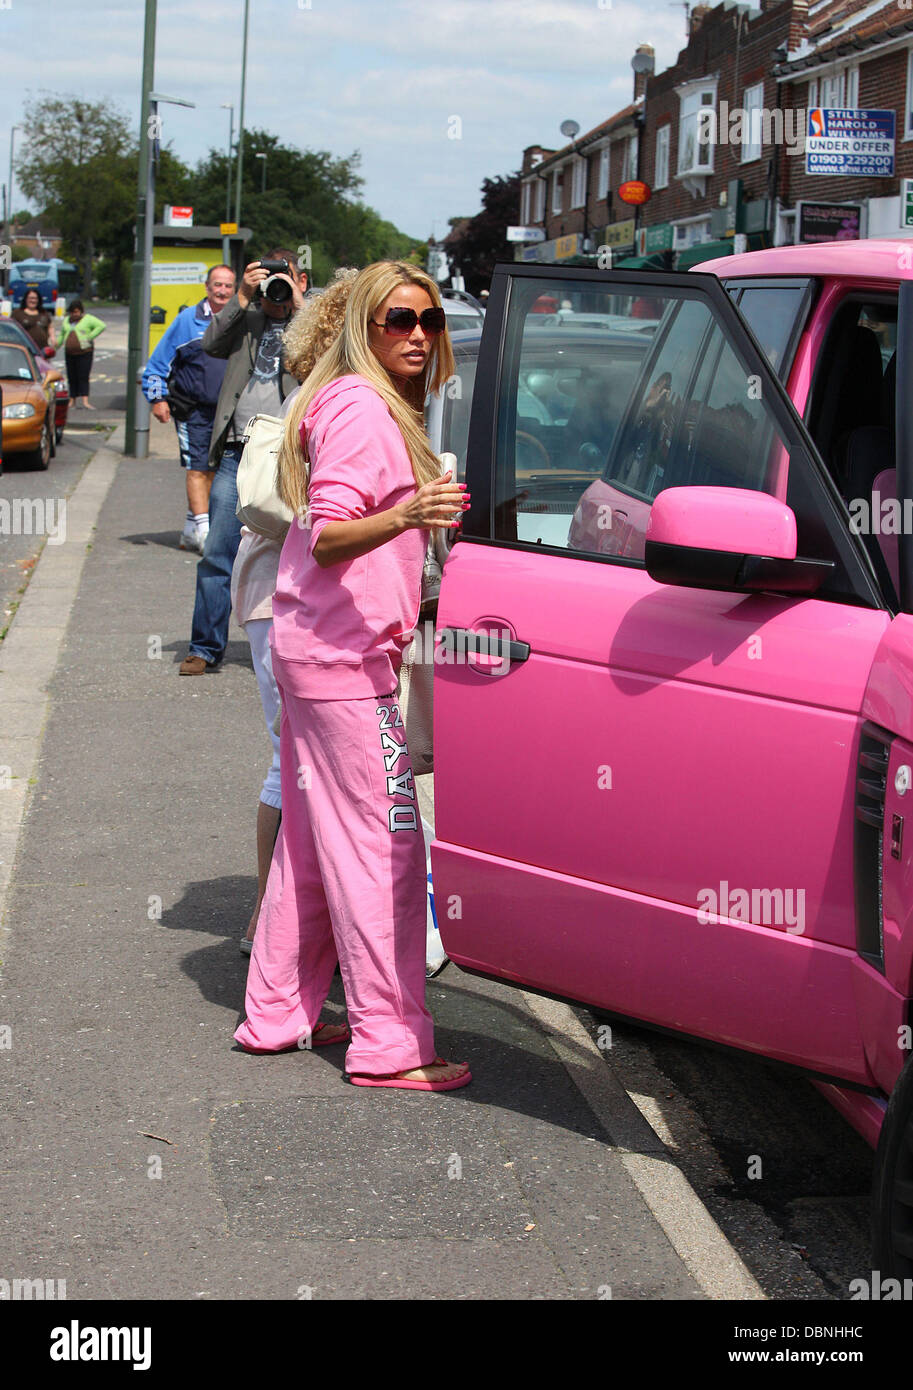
525,234
635,192
177,217
227,228
855,143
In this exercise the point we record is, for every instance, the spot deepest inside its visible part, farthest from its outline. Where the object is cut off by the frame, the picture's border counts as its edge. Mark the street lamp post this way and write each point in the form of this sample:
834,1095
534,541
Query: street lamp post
241,115
261,155
226,244
141,410
9,202
136,348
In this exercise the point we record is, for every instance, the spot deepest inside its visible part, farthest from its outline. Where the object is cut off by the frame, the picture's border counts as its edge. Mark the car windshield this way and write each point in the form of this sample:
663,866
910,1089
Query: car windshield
14,364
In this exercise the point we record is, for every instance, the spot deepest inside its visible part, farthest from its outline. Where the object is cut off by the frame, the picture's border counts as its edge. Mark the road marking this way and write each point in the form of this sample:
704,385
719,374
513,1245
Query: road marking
690,1229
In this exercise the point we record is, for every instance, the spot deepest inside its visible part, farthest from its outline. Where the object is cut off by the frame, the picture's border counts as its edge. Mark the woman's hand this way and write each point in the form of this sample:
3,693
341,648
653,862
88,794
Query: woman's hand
440,503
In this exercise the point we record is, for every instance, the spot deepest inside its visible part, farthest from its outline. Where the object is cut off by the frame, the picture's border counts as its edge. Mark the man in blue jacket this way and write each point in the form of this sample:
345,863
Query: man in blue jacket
183,382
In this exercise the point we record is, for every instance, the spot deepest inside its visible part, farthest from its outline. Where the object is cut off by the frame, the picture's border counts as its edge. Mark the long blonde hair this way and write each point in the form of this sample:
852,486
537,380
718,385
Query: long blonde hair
350,352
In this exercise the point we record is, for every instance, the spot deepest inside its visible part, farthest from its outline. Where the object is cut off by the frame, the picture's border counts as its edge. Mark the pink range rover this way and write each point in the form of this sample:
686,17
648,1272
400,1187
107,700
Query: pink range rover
674,772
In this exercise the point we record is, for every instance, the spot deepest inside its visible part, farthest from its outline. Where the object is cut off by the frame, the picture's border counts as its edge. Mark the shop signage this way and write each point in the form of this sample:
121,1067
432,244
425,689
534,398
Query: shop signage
618,234
635,192
829,222
658,238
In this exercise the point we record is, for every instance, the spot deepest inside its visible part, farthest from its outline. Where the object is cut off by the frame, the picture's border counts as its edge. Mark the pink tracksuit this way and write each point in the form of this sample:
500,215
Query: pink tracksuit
347,879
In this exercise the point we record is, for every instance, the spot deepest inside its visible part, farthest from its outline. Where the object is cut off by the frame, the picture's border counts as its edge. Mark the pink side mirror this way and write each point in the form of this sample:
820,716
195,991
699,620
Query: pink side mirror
730,519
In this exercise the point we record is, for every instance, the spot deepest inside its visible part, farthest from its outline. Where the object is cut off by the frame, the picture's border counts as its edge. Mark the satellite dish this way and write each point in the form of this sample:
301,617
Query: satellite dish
569,129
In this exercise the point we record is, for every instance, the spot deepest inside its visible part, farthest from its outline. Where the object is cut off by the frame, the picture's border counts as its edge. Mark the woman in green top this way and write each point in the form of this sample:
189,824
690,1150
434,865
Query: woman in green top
79,330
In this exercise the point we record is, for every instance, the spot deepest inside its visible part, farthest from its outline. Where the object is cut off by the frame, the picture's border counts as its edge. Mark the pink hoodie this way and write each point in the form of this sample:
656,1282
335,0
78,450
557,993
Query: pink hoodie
340,631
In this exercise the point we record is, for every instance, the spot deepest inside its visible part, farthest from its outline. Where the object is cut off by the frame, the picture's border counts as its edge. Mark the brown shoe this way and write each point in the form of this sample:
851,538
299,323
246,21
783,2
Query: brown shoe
194,665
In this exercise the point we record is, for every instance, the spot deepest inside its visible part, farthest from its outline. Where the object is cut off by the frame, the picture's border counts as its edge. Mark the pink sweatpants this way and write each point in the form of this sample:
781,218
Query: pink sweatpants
347,882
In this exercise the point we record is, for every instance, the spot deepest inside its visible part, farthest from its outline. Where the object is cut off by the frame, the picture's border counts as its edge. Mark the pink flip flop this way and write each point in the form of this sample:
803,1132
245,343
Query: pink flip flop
328,1042
401,1083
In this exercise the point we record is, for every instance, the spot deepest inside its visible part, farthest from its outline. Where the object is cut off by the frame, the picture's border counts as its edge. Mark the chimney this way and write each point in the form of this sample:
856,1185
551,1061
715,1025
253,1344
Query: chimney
643,63
698,15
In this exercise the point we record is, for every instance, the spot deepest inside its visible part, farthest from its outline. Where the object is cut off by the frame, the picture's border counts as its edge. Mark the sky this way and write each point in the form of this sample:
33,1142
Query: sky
436,94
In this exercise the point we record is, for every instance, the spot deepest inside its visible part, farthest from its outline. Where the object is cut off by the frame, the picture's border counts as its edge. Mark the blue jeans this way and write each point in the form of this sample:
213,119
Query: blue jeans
212,608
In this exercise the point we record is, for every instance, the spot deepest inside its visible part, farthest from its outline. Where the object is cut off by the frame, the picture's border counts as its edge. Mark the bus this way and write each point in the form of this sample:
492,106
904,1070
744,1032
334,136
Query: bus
54,279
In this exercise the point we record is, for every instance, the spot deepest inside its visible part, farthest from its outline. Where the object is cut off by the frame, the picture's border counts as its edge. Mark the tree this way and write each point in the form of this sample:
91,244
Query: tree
77,162
311,200
484,241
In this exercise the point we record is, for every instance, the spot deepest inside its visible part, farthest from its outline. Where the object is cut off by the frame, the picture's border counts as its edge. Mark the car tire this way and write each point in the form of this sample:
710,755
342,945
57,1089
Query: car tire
40,458
892,1189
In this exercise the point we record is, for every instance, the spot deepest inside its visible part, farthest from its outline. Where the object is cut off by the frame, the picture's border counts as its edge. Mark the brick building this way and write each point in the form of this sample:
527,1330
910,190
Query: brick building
719,137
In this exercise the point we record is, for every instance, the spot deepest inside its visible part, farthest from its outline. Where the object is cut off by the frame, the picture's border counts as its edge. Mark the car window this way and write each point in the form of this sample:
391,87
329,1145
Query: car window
595,422
14,364
457,399
771,315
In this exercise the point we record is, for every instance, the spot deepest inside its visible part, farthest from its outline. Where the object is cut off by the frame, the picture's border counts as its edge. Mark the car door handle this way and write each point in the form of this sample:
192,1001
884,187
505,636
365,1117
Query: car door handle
463,639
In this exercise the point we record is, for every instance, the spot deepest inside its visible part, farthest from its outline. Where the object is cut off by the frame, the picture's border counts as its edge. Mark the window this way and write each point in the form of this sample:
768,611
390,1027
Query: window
696,130
852,87
811,100
690,233
603,187
752,105
578,184
595,421
908,115
771,312
629,165
539,208
457,406
524,205
558,191
832,89
661,167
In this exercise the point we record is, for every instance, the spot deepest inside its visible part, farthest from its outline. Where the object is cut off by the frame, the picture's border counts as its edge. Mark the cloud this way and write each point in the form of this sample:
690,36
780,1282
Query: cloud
382,76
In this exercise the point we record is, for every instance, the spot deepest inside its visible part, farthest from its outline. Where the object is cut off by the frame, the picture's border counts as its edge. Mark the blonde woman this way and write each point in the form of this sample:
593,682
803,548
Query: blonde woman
347,880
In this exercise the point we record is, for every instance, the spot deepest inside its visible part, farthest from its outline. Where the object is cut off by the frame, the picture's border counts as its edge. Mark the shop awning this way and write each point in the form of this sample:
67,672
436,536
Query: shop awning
703,251
655,262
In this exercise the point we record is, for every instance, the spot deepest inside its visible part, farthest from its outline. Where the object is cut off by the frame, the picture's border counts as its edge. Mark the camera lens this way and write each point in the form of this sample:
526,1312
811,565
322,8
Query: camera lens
276,289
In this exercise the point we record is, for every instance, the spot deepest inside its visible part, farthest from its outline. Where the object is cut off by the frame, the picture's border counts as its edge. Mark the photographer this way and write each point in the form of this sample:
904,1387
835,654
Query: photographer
248,332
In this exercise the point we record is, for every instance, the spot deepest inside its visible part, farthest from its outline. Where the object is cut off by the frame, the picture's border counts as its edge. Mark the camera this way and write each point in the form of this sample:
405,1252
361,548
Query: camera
279,291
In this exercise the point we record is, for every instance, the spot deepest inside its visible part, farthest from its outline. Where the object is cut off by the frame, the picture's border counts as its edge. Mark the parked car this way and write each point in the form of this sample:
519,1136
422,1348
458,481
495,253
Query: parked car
462,312
11,332
674,734
29,407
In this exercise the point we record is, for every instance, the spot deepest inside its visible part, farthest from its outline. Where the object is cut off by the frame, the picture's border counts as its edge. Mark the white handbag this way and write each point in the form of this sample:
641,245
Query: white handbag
260,507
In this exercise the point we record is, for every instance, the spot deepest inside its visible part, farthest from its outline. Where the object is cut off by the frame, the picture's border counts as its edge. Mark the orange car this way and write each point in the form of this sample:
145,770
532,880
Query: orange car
29,407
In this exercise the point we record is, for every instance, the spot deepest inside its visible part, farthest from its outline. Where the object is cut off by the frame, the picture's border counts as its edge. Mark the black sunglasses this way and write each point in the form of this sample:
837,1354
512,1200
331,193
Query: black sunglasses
401,322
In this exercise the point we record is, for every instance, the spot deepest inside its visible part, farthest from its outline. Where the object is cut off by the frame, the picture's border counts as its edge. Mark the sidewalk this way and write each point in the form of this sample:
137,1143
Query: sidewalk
143,1154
